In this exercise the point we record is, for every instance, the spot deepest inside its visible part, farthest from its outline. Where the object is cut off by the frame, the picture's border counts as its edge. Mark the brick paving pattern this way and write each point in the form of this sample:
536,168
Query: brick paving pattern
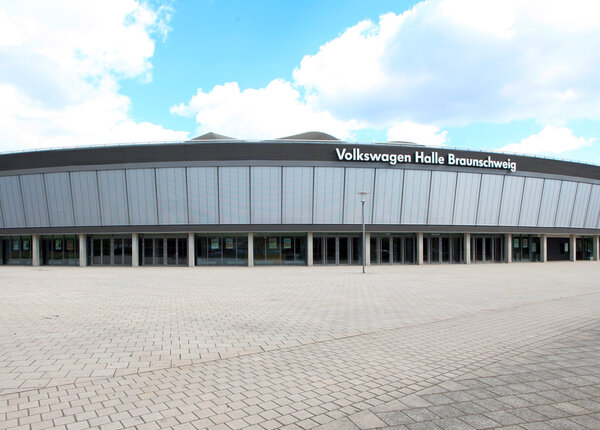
450,347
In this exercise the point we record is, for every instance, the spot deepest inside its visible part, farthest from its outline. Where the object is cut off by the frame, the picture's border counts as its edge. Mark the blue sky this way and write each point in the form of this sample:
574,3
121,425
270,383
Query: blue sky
516,76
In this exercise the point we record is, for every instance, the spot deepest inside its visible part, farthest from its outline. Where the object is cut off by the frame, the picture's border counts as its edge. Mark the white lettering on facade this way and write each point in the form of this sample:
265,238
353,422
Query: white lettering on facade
421,157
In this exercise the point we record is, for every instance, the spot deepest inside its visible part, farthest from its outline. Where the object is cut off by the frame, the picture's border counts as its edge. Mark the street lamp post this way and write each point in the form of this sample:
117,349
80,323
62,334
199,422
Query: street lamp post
363,199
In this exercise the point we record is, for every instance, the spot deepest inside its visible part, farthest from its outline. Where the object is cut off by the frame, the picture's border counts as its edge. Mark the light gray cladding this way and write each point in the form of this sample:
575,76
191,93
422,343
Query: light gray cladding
34,200
467,196
565,204
11,201
60,203
297,195
85,198
141,188
530,207
550,195
113,197
415,196
203,195
490,196
358,180
328,200
512,194
580,207
387,199
234,198
266,195
172,196
441,198
593,213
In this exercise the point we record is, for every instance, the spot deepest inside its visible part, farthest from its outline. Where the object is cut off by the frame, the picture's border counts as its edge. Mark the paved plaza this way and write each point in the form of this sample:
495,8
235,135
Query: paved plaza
405,347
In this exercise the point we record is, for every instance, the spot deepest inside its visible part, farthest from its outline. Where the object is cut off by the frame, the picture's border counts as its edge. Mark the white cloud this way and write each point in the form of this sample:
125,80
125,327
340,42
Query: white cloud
452,62
551,140
443,62
423,134
271,112
60,70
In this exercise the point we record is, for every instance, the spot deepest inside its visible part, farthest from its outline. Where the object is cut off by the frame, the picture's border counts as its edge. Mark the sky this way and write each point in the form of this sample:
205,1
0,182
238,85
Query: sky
518,76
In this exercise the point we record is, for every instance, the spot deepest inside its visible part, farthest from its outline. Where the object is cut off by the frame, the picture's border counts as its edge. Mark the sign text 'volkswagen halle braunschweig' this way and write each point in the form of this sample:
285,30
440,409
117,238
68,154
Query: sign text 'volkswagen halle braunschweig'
420,157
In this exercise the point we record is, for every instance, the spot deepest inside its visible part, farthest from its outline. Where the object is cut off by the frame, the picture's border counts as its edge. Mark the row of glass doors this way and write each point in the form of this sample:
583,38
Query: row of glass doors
109,251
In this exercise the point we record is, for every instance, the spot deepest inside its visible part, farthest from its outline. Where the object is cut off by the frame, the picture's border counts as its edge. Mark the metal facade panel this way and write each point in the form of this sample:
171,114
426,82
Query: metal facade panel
441,203
530,207
549,203
490,196
12,203
582,199
34,200
415,196
593,213
568,191
85,198
329,195
113,197
387,198
172,196
266,195
467,198
141,189
358,180
512,195
60,202
234,195
203,195
297,195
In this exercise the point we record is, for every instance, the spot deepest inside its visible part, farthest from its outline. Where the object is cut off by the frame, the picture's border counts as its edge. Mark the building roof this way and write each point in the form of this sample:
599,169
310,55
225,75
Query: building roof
213,136
310,135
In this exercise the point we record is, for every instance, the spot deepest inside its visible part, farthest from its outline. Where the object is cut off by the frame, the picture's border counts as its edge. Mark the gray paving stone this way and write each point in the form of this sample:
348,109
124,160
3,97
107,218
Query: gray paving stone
300,347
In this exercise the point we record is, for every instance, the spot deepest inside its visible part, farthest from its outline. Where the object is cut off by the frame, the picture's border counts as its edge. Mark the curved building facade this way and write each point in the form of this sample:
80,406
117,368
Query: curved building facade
220,201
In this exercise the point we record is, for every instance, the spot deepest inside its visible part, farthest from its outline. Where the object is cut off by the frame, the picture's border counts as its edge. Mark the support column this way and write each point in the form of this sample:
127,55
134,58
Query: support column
419,248
508,247
35,250
543,248
135,250
572,248
309,249
82,250
250,249
467,248
595,247
191,250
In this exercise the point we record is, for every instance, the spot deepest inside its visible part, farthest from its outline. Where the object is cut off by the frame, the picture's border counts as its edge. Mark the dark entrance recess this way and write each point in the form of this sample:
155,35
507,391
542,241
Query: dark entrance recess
558,248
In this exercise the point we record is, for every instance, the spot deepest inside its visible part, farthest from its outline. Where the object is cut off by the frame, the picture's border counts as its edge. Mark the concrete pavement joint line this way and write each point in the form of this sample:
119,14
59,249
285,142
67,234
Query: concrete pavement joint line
294,347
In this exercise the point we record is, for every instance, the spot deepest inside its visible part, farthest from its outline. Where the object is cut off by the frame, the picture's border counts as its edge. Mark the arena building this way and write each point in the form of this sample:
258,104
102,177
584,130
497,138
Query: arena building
215,200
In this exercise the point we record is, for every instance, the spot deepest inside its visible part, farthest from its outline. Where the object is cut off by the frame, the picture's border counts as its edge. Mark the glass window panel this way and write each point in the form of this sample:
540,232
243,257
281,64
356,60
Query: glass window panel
171,251
273,245
357,250
330,250
118,251
148,252
488,249
229,250
201,251
242,250
409,250
106,251
182,251
373,251
343,250
385,250
317,250
300,250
